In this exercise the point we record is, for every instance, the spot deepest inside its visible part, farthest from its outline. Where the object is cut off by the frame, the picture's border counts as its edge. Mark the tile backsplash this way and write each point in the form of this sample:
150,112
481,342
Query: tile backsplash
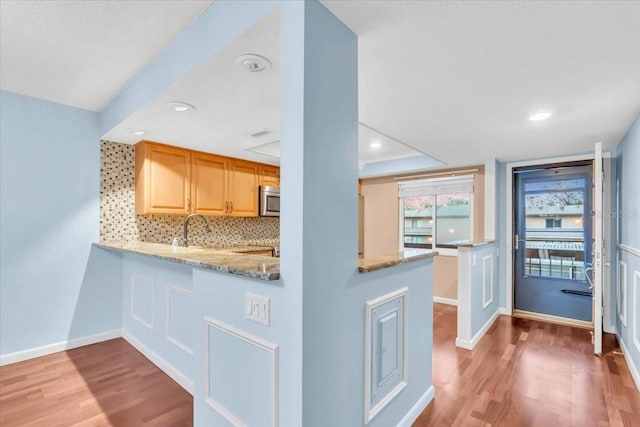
118,220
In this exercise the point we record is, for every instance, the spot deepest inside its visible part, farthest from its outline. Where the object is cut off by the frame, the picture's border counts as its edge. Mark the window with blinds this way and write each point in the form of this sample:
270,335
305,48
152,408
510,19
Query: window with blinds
436,213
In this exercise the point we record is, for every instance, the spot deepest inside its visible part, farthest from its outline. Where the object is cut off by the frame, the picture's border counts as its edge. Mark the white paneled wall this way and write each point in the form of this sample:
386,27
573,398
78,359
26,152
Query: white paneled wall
628,304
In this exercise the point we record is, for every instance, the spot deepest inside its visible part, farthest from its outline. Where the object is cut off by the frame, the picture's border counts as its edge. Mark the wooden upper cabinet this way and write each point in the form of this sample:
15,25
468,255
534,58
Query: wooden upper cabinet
243,188
209,184
269,175
163,179
172,180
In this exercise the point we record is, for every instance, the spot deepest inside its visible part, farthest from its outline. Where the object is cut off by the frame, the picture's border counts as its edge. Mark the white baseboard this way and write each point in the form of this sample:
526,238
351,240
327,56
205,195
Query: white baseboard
417,409
632,368
470,344
31,353
503,311
164,366
448,301
466,344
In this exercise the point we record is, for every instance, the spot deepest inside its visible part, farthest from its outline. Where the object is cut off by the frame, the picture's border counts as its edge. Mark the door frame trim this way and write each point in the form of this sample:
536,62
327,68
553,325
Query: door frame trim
508,237
582,171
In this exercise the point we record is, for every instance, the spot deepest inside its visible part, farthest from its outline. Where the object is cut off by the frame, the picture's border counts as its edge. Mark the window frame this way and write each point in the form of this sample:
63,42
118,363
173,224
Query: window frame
442,250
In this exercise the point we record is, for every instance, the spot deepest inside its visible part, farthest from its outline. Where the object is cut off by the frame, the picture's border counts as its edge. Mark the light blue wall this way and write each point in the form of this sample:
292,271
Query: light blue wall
481,276
478,295
340,355
629,177
220,296
343,390
628,172
156,311
330,176
323,214
52,286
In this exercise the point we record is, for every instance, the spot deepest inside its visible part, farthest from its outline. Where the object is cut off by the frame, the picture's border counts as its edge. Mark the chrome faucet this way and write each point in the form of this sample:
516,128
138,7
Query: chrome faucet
185,241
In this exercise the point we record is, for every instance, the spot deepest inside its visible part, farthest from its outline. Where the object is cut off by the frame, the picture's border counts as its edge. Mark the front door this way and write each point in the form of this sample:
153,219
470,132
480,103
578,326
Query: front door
553,241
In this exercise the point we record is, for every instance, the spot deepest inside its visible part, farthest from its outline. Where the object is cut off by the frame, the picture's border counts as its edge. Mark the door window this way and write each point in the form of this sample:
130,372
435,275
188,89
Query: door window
554,228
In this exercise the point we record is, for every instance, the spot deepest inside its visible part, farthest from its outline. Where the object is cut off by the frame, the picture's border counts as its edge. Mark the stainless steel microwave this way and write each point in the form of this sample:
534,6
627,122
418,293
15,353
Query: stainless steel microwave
269,201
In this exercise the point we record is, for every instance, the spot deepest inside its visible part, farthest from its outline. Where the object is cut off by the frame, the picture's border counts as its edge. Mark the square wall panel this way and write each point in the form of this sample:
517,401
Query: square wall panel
179,306
241,382
385,350
636,304
621,292
142,305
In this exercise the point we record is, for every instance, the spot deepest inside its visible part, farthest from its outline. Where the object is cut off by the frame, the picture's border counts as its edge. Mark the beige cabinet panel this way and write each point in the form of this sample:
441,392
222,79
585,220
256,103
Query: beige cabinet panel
162,179
269,175
172,180
209,184
243,188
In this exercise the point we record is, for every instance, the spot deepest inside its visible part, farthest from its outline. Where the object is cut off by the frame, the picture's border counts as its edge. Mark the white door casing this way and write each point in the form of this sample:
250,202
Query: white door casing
598,238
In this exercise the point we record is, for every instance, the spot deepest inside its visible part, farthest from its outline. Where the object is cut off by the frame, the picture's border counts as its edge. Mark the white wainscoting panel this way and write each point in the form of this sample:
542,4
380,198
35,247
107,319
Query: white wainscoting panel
621,292
178,376
142,299
386,367
487,281
241,375
179,309
636,284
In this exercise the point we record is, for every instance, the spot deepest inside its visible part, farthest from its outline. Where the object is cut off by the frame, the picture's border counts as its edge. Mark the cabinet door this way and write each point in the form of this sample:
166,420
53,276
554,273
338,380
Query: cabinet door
243,188
209,184
162,179
269,175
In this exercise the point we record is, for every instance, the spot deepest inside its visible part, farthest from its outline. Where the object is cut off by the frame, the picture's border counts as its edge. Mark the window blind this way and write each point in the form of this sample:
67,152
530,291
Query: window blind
463,184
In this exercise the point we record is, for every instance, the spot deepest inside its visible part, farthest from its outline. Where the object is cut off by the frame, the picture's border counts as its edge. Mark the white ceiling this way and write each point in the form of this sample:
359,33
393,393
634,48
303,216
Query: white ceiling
232,105
459,79
455,80
83,53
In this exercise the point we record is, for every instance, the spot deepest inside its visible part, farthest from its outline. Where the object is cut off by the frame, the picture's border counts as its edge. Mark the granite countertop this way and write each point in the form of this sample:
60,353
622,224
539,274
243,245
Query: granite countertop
227,259
475,244
366,265
235,260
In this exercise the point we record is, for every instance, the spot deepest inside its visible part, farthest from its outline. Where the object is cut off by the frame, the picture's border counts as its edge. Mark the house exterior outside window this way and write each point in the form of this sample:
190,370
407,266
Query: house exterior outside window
436,213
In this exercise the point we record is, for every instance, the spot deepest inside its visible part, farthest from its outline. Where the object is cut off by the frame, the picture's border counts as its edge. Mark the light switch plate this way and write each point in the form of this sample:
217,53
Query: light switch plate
257,308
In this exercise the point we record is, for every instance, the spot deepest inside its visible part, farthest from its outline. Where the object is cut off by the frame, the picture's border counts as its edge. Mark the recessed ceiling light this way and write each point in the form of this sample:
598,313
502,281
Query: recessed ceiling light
180,107
253,63
138,132
539,116
375,145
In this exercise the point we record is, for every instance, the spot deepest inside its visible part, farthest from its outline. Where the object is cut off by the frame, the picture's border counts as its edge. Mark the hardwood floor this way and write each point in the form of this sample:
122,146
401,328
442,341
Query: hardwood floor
528,373
522,373
105,384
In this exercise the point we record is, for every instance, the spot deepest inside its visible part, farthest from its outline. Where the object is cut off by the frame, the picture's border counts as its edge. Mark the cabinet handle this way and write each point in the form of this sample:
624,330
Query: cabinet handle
231,205
189,205
226,207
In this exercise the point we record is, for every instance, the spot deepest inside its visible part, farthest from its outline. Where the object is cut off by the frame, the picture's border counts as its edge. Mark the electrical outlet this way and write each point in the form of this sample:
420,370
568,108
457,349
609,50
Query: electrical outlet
257,308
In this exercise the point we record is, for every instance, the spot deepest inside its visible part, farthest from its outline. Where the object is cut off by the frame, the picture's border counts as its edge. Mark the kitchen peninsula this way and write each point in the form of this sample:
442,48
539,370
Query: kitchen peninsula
167,292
